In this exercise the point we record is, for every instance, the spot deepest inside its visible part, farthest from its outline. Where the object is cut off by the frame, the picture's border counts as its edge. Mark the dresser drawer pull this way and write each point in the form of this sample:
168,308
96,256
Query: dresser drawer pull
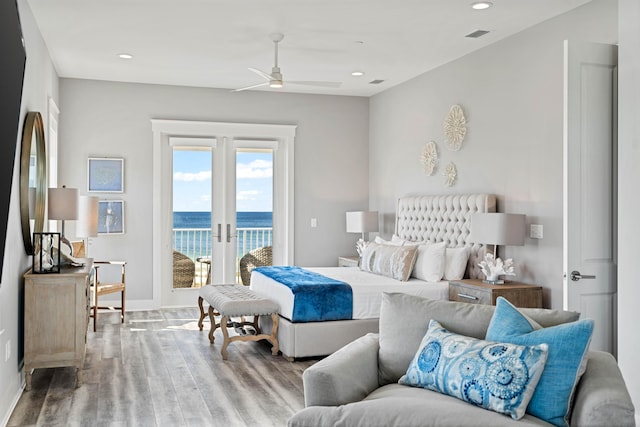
468,296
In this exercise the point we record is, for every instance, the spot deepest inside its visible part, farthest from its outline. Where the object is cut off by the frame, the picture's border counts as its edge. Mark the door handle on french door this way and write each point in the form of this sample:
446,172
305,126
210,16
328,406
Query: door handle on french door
228,233
219,233
575,276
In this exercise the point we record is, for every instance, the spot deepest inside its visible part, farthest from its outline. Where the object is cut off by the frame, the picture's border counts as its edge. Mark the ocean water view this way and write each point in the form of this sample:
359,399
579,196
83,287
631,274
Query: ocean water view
192,232
203,219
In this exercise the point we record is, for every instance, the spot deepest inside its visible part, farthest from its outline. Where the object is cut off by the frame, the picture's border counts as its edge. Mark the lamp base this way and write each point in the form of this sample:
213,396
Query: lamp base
493,282
68,243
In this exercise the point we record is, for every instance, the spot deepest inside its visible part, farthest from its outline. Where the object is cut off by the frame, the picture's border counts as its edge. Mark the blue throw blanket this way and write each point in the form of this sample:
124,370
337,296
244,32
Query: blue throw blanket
316,297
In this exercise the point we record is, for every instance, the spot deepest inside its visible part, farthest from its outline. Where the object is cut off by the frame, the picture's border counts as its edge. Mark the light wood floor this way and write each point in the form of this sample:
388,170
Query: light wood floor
158,369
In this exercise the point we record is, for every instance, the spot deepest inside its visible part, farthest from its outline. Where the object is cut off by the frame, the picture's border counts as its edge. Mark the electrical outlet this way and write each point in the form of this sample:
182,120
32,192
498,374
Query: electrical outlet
536,231
314,222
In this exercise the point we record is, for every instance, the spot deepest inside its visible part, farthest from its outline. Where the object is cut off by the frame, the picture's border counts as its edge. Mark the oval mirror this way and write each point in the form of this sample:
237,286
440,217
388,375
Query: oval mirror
33,179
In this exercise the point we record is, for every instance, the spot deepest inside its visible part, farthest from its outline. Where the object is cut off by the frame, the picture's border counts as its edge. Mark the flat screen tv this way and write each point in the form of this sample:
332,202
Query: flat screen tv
12,62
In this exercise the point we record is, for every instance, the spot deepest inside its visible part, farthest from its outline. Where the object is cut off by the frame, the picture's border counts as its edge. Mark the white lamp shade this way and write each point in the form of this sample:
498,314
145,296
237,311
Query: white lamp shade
87,225
362,222
498,229
63,203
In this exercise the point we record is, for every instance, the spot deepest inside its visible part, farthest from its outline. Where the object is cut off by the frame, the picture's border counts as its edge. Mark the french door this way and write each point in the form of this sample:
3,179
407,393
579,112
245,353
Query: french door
222,208
221,190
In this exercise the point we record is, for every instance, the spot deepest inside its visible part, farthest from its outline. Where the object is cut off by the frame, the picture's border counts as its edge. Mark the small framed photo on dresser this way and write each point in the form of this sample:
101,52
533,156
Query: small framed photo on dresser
105,175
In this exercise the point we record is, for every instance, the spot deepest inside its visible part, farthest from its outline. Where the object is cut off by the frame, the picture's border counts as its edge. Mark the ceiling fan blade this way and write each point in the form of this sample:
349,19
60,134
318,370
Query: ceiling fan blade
311,83
250,87
261,73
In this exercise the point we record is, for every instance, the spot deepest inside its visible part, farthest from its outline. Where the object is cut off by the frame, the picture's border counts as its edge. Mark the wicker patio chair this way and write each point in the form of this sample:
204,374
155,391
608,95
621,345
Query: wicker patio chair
184,270
259,257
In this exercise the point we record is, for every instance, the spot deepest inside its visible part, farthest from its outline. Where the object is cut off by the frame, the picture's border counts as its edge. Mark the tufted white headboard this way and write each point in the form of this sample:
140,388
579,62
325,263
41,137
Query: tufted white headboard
444,218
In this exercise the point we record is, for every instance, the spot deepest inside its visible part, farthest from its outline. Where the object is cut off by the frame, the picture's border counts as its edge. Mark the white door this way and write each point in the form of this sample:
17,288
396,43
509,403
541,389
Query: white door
222,209
231,152
590,188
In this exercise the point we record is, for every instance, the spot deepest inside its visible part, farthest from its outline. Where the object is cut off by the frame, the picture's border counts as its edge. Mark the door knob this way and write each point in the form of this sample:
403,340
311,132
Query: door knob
575,276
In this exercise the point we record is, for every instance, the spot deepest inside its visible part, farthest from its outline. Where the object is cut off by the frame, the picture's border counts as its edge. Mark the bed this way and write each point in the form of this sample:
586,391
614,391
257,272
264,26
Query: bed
441,218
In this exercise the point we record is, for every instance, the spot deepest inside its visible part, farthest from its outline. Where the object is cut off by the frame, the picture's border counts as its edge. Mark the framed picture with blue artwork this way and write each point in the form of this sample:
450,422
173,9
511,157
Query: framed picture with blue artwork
111,217
105,175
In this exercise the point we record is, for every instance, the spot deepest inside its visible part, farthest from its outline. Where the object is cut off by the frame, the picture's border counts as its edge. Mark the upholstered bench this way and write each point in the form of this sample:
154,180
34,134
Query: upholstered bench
237,301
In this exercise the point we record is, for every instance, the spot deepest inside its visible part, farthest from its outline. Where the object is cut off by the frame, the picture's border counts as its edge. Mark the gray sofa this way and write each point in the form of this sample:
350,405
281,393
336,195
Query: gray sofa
358,385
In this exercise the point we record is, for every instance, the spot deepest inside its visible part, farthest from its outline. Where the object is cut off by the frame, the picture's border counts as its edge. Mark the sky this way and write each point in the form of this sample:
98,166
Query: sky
192,181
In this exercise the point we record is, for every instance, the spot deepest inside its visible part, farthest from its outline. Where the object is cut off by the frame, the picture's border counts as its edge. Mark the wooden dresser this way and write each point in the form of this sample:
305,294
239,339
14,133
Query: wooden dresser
476,292
56,316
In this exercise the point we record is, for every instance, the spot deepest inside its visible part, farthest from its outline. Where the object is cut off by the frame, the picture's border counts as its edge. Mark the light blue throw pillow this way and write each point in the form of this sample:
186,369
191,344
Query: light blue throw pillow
496,376
568,345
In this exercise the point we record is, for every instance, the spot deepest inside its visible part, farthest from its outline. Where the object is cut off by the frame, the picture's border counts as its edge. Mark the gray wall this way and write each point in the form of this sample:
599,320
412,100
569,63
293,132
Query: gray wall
629,202
113,120
40,83
512,95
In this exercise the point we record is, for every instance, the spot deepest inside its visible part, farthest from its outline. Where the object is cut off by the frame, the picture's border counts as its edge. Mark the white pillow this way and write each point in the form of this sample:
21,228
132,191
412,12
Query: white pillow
389,260
455,263
395,241
430,262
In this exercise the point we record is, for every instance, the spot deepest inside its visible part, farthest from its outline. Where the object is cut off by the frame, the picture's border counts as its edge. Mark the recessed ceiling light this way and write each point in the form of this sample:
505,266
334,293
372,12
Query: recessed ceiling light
125,56
481,5
357,73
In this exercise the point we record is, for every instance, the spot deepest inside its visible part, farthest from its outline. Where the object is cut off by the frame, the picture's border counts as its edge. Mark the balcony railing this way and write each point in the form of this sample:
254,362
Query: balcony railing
196,244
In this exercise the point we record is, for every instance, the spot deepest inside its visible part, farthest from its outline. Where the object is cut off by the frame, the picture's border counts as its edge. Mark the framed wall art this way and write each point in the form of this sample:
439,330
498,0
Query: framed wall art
111,217
105,175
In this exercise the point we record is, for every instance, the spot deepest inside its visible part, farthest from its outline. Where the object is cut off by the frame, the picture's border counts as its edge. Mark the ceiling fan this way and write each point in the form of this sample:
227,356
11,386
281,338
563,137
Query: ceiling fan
274,80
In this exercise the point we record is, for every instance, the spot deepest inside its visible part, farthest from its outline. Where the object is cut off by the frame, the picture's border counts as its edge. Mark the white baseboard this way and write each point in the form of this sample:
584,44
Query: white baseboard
16,398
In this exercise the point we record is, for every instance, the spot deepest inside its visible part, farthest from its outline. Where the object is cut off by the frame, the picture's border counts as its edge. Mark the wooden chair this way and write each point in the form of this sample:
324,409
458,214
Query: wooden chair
259,257
99,289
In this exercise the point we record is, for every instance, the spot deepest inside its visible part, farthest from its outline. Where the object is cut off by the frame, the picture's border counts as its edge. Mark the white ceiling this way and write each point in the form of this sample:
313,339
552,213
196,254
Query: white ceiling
210,43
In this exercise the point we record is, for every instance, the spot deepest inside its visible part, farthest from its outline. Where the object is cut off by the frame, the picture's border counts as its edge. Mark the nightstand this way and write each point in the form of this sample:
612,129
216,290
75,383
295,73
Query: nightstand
476,292
348,261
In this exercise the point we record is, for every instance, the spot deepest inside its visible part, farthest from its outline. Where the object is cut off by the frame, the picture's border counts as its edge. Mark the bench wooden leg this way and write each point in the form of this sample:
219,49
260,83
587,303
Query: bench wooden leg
225,333
212,319
202,314
274,334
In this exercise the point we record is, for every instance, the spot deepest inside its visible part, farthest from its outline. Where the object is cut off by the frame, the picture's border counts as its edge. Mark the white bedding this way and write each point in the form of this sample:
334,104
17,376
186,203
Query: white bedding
367,289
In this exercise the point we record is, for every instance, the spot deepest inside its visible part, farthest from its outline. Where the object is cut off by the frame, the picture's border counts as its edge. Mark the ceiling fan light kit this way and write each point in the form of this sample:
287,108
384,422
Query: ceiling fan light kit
275,80
481,5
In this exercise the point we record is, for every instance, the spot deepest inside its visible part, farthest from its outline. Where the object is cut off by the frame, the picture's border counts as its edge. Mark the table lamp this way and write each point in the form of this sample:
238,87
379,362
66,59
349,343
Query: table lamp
63,206
362,222
497,229
87,225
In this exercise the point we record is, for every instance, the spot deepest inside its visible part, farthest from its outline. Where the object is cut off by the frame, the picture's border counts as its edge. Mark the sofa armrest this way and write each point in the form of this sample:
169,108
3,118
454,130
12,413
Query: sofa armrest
348,375
601,395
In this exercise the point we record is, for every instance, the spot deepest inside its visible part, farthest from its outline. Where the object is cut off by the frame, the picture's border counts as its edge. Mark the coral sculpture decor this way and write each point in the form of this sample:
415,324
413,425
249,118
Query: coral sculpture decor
494,268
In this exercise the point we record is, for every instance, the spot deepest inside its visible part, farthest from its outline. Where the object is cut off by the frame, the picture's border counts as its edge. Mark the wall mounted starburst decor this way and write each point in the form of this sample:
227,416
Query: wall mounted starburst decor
450,174
429,157
455,128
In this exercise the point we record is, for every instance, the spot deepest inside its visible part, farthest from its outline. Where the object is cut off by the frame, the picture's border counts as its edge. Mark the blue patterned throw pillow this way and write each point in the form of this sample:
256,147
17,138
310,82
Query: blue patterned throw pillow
568,345
496,376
